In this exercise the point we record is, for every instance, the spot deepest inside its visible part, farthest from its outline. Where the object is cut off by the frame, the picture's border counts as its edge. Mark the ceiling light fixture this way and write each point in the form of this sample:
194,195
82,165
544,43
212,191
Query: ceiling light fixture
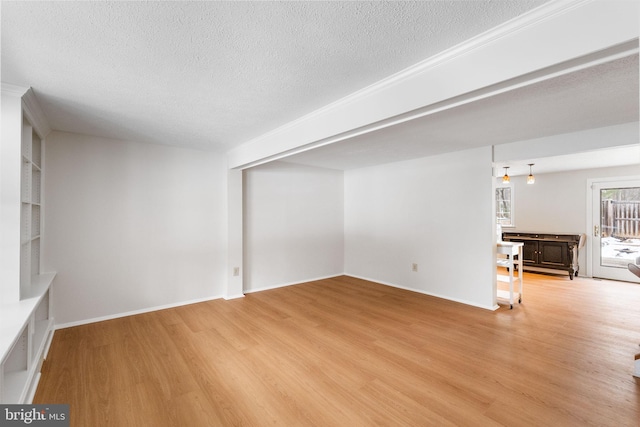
531,179
505,178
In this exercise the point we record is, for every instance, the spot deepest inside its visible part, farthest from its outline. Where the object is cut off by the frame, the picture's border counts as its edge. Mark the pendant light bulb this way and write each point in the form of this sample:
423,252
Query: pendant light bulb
505,178
531,179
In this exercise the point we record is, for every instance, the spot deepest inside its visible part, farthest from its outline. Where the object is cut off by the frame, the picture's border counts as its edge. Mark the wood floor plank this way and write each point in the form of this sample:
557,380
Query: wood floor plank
345,351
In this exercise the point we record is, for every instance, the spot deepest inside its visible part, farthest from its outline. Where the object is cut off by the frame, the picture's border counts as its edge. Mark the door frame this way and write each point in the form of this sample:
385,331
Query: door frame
589,208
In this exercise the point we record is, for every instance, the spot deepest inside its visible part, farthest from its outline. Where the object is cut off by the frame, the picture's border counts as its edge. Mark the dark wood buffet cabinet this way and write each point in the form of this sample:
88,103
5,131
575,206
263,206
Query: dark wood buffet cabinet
548,251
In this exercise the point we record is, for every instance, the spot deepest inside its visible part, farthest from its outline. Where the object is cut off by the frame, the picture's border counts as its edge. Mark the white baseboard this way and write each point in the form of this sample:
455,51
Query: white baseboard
420,291
264,288
132,313
282,285
33,388
47,344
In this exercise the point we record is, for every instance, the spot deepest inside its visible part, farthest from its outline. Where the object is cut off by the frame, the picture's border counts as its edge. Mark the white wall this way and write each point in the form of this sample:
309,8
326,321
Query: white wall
131,226
435,212
557,202
293,224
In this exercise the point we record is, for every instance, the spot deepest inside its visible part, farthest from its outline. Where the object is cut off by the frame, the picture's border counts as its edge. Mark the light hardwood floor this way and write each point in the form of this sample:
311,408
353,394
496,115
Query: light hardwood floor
347,352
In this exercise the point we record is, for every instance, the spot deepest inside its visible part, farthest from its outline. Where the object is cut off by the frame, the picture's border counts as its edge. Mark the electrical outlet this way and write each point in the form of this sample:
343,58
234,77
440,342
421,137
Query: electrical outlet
414,267
236,271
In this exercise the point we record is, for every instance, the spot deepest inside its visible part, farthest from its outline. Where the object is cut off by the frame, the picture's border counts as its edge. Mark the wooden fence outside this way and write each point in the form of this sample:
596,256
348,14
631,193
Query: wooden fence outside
620,219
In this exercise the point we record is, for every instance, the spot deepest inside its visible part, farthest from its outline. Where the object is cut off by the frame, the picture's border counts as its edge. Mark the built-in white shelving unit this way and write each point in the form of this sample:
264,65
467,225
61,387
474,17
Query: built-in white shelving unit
26,321
25,335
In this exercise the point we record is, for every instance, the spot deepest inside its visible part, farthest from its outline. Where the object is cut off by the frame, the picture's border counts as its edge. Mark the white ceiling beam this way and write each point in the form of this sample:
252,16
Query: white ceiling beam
552,34
568,143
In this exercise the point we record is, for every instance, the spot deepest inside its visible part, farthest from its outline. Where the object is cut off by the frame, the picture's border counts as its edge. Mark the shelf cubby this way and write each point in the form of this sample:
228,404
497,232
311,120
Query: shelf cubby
35,221
27,139
26,191
36,150
36,176
16,368
25,268
35,257
25,222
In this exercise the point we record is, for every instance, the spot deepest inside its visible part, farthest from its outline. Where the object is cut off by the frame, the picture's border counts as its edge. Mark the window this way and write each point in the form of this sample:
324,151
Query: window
504,206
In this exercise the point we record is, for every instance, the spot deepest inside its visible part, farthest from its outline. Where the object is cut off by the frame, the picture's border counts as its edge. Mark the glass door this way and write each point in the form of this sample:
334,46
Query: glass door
616,230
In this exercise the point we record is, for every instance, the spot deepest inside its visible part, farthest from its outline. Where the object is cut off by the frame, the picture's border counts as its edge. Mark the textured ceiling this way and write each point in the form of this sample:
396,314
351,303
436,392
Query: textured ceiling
213,75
